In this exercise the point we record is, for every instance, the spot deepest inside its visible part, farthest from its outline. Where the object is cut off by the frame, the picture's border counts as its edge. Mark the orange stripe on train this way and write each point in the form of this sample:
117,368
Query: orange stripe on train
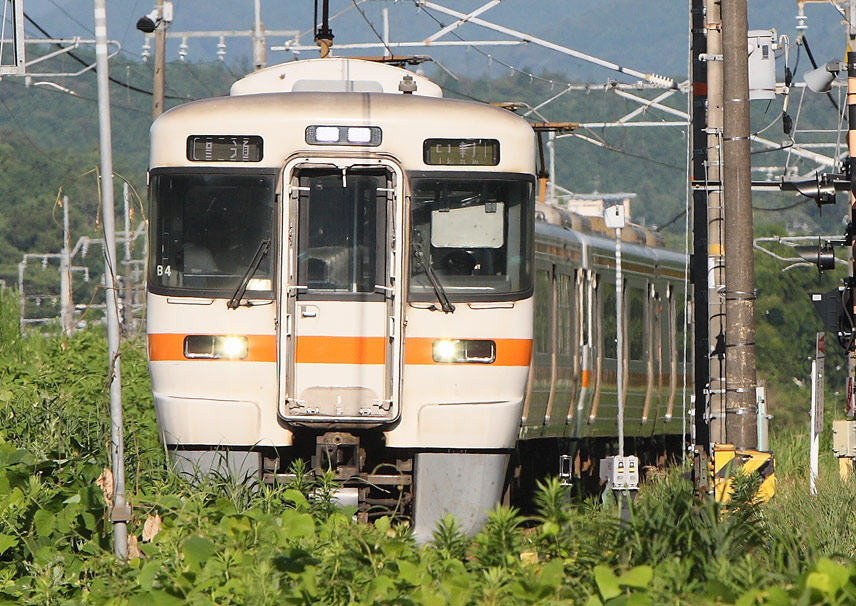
166,347
509,352
340,350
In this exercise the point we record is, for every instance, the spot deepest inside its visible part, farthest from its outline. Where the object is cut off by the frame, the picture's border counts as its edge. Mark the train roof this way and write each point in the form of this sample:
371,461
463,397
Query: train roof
335,74
564,228
282,116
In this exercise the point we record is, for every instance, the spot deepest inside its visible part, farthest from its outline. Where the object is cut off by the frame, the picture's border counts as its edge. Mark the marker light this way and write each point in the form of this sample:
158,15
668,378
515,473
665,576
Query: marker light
216,347
462,351
327,134
370,136
359,135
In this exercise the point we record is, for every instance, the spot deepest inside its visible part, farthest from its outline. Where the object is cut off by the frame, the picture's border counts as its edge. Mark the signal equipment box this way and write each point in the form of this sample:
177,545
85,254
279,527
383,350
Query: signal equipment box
620,473
844,438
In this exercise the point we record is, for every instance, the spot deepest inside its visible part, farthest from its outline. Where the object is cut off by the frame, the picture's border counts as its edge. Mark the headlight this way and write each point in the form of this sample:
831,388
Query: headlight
459,351
216,347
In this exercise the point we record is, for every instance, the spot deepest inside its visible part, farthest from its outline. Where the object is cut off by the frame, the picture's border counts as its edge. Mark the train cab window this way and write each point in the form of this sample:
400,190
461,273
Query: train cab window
636,319
471,236
206,229
342,234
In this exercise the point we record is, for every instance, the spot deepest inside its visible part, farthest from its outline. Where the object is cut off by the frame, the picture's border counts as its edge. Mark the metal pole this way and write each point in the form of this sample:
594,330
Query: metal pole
386,51
259,43
160,64
814,444
701,347
551,145
619,346
120,514
715,254
740,402
128,315
66,314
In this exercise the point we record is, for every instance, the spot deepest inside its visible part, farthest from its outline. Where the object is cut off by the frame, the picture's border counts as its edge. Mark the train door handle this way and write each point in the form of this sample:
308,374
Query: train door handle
309,312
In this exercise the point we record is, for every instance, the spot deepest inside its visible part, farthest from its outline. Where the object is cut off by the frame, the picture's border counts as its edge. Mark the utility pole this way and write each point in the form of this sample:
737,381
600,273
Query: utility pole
160,63
259,42
120,513
740,402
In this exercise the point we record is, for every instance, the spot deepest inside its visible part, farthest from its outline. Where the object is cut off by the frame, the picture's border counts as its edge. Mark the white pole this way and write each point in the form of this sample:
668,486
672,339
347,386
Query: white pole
619,330
259,43
66,314
551,147
386,51
815,435
121,512
128,316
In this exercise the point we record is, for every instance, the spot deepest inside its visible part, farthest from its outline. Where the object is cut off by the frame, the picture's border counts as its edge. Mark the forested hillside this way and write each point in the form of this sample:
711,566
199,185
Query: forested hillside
49,147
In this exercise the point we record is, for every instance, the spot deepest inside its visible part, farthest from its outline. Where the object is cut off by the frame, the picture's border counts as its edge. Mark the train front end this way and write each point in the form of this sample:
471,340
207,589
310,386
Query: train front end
341,272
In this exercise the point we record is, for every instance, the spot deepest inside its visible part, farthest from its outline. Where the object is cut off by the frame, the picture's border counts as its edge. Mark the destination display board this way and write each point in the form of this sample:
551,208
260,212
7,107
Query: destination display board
461,152
225,148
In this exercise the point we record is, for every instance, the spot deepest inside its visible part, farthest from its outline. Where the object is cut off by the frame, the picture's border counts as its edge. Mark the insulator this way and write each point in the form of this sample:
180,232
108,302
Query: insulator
221,49
660,81
182,50
147,50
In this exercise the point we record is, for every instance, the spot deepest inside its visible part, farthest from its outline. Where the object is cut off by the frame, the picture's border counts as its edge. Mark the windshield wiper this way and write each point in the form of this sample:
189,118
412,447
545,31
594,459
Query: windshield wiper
445,305
261,251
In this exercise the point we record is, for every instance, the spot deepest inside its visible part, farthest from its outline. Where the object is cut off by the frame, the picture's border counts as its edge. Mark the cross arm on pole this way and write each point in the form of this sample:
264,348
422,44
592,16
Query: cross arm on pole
482,9
658,80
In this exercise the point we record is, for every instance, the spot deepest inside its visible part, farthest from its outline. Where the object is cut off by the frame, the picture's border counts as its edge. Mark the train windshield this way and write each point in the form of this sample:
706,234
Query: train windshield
205,231
471,234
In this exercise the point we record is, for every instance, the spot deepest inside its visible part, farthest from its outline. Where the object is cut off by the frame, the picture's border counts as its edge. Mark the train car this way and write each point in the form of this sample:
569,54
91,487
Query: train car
571,402
344,269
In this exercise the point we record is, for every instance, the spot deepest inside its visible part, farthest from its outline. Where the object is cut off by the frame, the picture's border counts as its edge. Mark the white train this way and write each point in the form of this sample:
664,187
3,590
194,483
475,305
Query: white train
342,269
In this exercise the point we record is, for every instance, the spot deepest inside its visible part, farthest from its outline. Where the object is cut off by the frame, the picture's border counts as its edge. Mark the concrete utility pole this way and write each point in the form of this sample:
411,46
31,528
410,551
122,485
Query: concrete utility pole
120,513
740,402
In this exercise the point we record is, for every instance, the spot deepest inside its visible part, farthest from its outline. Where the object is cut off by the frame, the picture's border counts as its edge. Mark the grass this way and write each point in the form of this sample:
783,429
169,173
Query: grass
220,542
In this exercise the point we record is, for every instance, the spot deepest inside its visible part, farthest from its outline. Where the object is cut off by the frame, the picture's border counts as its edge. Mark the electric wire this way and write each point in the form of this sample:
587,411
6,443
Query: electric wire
781,208
110,78
32,144
490,57
668,223
371,25
602,143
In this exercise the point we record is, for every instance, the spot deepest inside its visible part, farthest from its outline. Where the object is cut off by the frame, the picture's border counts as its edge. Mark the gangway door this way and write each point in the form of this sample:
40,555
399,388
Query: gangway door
339,339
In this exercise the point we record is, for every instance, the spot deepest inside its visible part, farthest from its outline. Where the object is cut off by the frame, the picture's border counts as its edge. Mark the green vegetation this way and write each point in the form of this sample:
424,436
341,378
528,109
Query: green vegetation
222,543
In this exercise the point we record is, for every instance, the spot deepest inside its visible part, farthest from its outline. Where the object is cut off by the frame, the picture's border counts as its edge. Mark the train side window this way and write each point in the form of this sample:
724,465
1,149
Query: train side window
636,323
610,333
543,297
680,324
582,309
565,314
